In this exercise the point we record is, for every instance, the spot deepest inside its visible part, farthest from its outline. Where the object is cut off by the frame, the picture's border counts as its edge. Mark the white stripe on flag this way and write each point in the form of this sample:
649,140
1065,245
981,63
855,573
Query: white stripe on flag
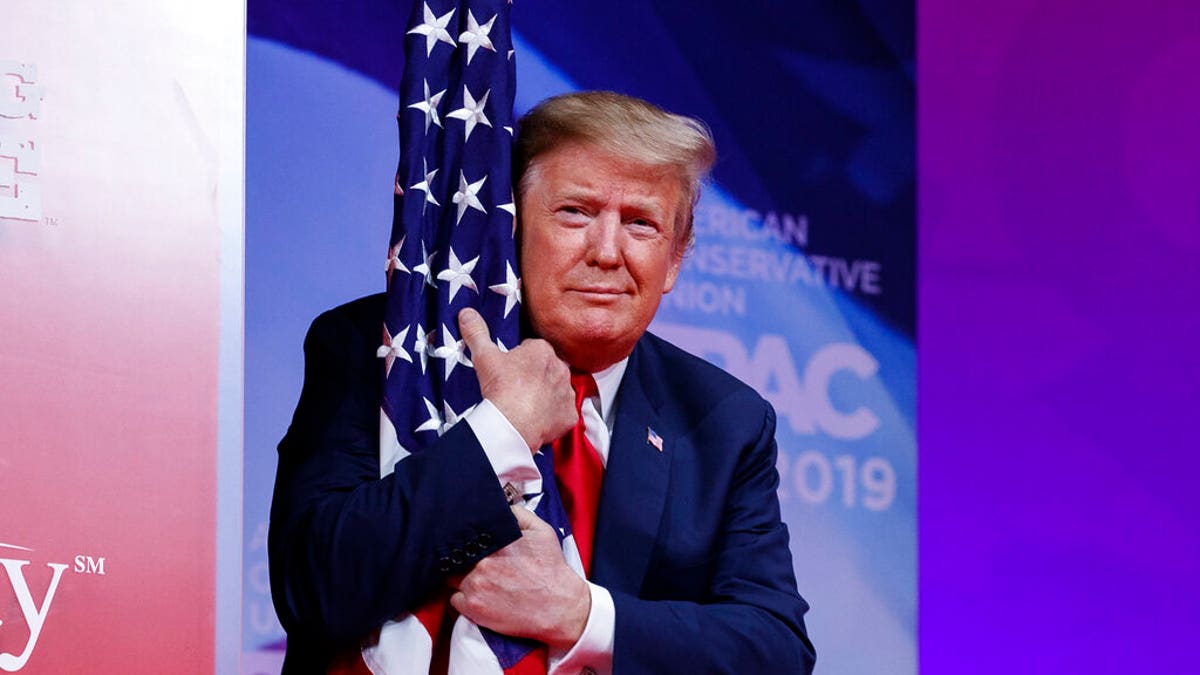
404,647
469,651
390,450
571,553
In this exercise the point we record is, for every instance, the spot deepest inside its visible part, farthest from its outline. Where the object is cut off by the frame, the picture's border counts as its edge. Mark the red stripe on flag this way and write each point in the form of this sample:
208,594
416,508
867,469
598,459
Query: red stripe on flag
431,613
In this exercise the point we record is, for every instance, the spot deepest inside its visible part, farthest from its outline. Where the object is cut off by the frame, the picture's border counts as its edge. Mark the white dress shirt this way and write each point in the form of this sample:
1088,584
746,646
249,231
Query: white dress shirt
510,458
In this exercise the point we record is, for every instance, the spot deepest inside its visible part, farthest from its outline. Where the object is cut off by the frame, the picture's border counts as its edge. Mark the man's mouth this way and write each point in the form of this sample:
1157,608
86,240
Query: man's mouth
599,290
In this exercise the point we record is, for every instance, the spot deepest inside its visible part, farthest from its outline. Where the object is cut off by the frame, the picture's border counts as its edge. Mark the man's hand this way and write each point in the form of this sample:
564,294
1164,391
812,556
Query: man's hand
526,589
529,384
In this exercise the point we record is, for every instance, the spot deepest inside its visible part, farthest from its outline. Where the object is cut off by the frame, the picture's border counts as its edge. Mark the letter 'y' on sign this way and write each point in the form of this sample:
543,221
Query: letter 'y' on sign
35,616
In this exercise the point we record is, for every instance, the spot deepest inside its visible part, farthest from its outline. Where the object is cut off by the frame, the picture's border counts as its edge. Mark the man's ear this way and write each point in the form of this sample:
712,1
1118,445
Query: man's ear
672,272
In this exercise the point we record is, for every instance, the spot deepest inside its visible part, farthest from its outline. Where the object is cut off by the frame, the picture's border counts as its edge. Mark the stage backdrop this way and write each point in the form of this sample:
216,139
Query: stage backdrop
121,141
801,283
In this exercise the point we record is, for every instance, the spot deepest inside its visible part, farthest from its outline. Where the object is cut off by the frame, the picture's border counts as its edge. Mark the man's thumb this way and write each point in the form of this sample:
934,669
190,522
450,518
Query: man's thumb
527,519
475,333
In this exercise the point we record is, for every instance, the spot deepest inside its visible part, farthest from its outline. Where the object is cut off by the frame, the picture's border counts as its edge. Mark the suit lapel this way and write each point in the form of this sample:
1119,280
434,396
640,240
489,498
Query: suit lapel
635,481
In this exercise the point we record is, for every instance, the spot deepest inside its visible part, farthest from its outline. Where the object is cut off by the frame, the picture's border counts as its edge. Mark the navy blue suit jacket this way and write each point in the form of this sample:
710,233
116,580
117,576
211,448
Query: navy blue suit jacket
689,540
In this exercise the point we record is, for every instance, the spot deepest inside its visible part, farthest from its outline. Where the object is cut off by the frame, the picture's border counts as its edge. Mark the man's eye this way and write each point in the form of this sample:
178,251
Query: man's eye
572,214
642,226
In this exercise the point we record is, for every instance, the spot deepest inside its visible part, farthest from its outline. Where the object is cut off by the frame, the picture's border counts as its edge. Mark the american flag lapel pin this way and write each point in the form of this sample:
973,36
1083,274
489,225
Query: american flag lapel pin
654,439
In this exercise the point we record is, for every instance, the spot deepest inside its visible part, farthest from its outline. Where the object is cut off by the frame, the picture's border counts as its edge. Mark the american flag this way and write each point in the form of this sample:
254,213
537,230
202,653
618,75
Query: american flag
452,246
654,439
452,231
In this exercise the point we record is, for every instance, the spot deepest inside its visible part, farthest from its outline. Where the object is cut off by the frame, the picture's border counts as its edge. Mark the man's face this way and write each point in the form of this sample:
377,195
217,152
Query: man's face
597,251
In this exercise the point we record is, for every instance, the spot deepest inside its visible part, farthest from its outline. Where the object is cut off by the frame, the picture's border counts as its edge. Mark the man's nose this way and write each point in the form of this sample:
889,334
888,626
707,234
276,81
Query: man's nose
604,240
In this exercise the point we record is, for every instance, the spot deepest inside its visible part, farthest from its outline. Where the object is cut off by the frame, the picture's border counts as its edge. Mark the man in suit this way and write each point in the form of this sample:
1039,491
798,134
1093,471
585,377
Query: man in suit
677,522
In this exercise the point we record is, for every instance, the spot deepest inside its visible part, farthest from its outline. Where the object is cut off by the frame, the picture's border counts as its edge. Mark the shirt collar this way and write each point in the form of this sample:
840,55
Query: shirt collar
608,381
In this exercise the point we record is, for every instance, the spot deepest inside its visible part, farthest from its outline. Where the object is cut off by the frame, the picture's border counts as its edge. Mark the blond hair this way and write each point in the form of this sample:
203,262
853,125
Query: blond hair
626,127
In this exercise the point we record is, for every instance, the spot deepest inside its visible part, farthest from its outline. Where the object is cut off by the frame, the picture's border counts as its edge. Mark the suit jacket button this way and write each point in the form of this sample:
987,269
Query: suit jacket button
473,549
457,557
443,564
484,539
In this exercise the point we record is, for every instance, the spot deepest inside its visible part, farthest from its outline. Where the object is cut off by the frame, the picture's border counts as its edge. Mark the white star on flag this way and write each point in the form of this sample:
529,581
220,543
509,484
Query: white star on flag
452,417
511,209
434,29
472,111
476,36
434,423
510,289
453,352
423,345
426,266
439,423
391,349
426,186
466,196
429,106
459,274
393,262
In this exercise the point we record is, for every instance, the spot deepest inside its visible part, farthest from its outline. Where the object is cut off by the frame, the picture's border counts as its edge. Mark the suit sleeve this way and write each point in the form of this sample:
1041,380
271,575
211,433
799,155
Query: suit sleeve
748,617
349,550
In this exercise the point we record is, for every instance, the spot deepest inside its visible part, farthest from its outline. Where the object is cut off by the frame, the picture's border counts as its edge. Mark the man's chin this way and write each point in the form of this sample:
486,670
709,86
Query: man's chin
597,349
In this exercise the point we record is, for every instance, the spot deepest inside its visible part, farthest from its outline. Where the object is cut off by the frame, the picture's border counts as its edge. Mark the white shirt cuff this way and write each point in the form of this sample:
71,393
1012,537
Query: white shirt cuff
593,653
505,448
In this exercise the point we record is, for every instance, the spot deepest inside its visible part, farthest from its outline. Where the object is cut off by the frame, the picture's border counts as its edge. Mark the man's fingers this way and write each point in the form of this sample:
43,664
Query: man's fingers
458,601
528,520
475,333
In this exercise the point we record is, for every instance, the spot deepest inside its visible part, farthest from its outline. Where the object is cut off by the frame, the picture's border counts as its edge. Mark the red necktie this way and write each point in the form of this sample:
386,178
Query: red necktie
580,473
